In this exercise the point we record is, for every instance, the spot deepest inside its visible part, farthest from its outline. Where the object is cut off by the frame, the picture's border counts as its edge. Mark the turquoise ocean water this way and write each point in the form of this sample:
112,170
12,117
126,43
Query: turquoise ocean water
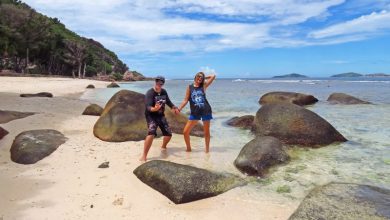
365,158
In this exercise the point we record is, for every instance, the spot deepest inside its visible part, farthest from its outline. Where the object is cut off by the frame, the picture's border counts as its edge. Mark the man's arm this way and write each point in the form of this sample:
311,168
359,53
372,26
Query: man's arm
169,102
149,101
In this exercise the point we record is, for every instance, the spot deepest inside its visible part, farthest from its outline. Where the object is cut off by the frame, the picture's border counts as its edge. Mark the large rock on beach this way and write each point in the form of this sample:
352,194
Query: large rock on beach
123,119
90,86
345,201
342,98
245,122
113,85
93,109
182,183
288,97
295,125
260,154
3,133
7,116
30,147
133,76
40,94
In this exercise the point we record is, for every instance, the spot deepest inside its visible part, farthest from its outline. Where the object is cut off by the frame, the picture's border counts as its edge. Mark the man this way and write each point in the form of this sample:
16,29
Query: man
155,101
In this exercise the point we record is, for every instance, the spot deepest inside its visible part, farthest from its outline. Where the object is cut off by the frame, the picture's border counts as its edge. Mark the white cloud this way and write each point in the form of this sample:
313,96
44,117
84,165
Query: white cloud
336,61
207,70
158,26
367,24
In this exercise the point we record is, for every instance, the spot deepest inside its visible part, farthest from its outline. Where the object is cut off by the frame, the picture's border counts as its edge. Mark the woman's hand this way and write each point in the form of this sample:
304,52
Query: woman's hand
176,111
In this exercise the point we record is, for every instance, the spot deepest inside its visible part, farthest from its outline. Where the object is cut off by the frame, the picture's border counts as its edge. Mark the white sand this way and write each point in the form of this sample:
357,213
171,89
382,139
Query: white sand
68,185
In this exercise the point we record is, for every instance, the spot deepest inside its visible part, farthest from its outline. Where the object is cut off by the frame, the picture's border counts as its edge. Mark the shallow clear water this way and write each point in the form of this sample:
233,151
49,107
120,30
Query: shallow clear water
365,158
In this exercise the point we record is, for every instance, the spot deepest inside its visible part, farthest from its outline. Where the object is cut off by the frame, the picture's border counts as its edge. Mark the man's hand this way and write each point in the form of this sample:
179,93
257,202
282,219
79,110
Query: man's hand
157,107
176,111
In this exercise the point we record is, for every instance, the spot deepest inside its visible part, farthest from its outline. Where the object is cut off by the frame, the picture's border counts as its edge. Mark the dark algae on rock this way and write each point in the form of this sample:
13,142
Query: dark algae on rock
295,125
260,154
30,147
345,201
183,183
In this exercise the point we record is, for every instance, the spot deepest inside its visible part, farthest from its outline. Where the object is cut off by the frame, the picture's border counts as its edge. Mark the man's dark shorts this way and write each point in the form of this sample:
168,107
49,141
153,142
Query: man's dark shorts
158,121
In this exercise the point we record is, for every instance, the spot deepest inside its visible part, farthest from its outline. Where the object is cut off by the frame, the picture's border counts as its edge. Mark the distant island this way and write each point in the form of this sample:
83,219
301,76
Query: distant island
378,75
350,74
292,75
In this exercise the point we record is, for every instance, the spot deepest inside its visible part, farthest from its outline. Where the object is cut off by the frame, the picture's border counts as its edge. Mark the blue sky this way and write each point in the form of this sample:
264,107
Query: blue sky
235,38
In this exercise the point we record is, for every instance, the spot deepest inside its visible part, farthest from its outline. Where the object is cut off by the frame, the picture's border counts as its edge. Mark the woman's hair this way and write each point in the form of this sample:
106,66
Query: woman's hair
203,78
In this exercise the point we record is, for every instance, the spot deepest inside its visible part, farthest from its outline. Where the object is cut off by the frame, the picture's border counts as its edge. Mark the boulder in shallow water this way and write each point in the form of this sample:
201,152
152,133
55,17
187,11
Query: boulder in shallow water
123,119
178,122
260,154
287,97
295,125
93,109
3,133
245,122
30,147
182,183
345,201
41,94
342,98
7,116
113,85
90,86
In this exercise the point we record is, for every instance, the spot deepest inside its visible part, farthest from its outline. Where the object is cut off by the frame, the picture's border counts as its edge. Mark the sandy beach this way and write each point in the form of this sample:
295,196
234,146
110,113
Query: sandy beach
69,185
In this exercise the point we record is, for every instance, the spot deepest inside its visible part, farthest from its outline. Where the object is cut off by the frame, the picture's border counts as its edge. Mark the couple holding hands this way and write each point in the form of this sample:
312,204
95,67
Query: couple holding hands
155,101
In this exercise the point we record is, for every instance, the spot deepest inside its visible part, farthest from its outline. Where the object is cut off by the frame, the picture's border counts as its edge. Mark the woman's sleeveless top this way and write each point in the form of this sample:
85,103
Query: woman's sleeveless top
198,103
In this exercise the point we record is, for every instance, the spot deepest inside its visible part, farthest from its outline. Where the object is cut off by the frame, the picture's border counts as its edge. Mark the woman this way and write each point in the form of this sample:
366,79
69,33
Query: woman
200,108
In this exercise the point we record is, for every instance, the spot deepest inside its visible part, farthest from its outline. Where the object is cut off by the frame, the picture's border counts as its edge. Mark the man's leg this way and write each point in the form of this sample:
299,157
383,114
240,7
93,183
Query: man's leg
166,131
147,144
165,142
152,128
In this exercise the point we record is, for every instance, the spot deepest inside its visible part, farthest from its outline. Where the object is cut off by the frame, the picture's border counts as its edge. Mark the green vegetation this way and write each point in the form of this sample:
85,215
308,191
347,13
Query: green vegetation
292,75
288,178
296,169
265,181
283,189
350,74
34,43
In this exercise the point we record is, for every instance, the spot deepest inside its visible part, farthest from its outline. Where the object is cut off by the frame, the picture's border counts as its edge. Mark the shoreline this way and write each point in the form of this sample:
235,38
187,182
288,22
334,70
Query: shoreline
68,185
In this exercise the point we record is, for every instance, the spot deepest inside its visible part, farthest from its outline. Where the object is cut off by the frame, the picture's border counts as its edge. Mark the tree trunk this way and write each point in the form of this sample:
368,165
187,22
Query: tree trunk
79,70
85,66
50,67
73,74
27,55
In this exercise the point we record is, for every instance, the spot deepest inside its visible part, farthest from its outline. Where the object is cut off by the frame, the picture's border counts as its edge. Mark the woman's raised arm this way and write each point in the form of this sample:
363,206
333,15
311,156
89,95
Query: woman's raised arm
210,80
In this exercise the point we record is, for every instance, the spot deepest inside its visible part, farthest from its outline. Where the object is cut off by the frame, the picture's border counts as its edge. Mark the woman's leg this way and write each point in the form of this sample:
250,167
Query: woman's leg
206,130
186,132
